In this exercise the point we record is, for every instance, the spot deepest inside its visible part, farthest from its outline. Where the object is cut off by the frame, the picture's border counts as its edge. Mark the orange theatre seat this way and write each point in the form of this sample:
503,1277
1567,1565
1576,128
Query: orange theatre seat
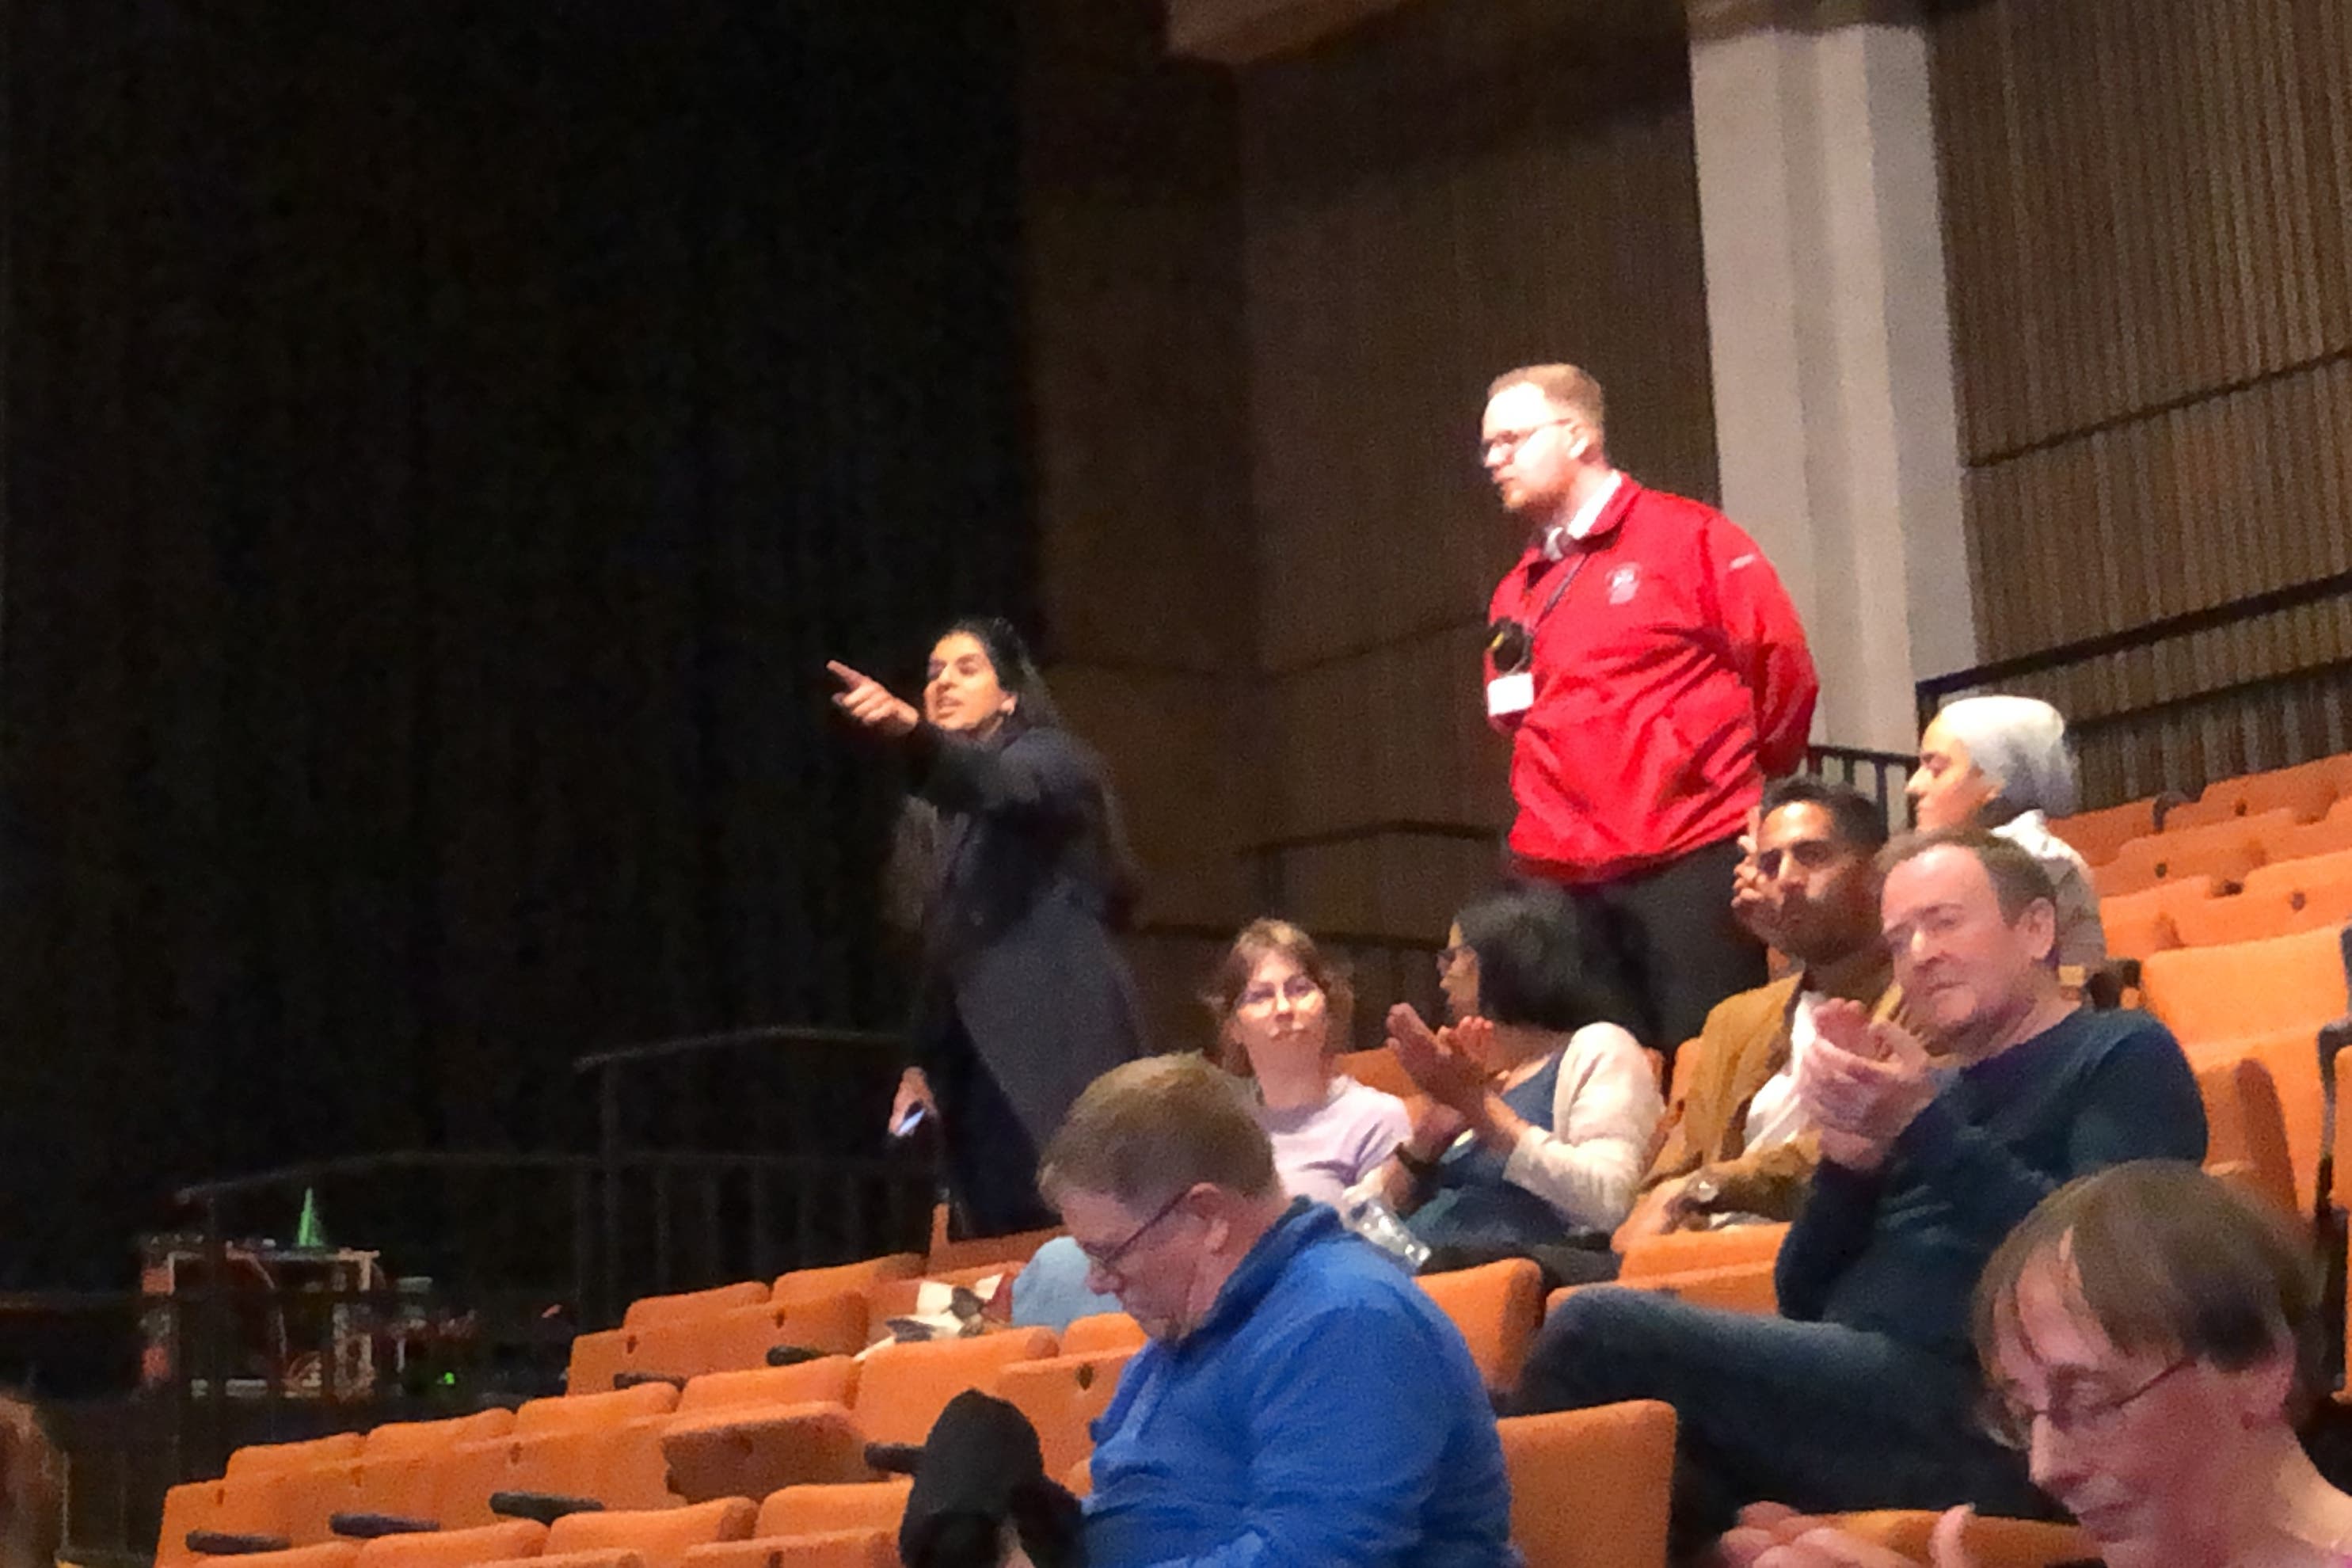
718,1403
2304,793
1101,1333
808,1284
2281,907
1061,1395
1377,1069
277,1458
2330,835
901,1389
254,1507
594,1446
647,1311
2226,849
455,1548
1590,1488
320,1554
2096,836
799,1519
1007,1253
2137,924
2246,990
1991,1542
1498,1307
660,1539
2246,1138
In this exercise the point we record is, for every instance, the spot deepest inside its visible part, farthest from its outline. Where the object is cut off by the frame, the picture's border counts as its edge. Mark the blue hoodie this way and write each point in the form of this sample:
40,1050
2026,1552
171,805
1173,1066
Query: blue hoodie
1324,1412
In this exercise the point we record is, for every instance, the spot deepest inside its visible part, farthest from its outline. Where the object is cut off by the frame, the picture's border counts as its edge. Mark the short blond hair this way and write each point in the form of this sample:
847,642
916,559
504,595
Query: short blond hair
1145,1132
1566,387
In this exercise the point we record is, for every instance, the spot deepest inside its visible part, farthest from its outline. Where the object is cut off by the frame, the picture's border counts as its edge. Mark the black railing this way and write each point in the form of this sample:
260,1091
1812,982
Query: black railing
1879,774
1929,693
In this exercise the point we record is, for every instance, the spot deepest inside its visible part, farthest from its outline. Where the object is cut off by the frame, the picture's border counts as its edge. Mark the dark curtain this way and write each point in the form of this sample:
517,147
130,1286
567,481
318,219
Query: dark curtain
442,444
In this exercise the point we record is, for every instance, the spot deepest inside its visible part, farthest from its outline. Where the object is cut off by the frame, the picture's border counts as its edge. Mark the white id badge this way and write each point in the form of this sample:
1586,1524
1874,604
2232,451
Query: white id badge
1509,694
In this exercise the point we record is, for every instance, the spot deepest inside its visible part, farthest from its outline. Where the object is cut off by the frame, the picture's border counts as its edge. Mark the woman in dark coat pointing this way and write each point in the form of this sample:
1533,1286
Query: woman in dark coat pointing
1011,852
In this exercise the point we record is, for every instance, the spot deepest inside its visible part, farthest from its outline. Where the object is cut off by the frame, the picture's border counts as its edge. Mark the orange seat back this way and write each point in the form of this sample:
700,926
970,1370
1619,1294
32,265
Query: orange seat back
2245,1128
1100,1333
1991,1542
455,1548
2251,916
871,1547
581,1412
1007,1251
1497,1306
806,1284
395,1440
1681,1251
901,1389
647,1311
2303,792
2279,1097
2226,849
2097,834
1588,1487
739,1340
852,1505
320,1554
277,1458
832,1378
246,1507
2246,990
660,1536
1061,1395
2284,873
2137,924
2328,836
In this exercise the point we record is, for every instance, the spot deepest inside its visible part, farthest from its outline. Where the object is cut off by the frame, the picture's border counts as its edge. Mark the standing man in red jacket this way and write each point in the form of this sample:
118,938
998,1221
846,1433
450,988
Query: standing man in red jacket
1650,671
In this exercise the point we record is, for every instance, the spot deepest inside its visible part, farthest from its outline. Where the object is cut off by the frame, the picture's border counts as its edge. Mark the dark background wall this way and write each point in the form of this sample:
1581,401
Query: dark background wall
442,445
2148,226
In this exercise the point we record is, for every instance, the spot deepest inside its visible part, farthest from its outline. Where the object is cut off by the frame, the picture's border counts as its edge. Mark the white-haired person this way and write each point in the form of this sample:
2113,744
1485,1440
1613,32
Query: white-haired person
2002,764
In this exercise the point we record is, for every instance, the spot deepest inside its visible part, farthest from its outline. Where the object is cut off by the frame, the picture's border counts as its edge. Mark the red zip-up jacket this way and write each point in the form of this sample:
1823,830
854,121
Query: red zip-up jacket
1671,679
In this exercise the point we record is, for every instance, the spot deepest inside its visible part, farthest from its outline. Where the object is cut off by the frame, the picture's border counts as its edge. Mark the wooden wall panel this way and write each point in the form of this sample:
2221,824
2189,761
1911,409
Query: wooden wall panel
2149,209
1450,191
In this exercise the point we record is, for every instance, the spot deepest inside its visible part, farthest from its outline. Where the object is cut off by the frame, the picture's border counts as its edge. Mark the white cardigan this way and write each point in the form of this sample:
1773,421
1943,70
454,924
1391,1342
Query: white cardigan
1605,1111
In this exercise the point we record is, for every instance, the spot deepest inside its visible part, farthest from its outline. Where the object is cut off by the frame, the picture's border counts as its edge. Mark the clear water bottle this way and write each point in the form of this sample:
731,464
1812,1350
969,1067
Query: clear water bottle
1378,1223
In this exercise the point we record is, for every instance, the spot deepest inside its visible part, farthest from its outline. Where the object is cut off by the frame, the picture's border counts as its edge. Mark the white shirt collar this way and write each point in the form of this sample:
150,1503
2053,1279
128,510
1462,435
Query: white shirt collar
1558,537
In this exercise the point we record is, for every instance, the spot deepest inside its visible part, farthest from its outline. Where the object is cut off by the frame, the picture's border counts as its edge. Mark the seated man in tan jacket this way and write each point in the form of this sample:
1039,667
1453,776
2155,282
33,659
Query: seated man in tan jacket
1736,1143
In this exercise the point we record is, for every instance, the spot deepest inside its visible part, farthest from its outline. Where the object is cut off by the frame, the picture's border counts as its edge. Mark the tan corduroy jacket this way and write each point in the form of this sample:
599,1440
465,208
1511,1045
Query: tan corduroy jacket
1743,1043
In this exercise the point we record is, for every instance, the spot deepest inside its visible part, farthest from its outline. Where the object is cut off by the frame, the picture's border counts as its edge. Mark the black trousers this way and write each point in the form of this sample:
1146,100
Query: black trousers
1666,941
992,1164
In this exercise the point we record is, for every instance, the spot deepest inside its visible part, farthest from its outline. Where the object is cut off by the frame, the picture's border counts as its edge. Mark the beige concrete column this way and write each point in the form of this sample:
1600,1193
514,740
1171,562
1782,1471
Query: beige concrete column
1831,339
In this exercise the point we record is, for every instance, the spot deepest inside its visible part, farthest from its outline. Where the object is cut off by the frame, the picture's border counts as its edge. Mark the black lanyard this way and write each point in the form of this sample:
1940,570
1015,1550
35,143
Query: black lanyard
1567,581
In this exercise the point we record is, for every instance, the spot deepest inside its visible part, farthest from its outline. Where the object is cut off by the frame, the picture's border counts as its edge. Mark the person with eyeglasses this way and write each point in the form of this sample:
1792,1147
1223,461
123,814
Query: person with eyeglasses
2150,1341
1939,1131
1651,674
1542,1110
1282,1009
1300,1400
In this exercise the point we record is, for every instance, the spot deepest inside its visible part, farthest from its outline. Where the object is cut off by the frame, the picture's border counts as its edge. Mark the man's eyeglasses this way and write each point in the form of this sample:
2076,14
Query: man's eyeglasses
1107,1263
1503,443
2009,1421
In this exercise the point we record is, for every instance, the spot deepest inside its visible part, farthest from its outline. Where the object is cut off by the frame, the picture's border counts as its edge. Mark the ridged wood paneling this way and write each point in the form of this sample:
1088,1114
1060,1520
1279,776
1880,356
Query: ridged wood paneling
2149,214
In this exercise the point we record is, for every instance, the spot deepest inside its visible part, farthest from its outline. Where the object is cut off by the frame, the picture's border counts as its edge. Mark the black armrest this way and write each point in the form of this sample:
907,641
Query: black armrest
894,1458
368,1526
632,1379
792,1355
544,1507
229,1543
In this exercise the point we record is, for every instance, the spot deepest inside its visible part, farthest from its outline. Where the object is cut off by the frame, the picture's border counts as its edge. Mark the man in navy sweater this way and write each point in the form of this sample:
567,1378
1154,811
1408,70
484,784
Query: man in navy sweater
1302,1401
1935,1145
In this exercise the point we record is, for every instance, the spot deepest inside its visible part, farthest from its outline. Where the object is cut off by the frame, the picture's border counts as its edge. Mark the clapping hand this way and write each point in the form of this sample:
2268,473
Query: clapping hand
868,703
1446,1073
1863,1081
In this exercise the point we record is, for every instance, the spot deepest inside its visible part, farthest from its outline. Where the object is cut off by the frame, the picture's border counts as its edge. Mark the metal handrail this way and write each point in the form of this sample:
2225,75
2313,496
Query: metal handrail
1927,693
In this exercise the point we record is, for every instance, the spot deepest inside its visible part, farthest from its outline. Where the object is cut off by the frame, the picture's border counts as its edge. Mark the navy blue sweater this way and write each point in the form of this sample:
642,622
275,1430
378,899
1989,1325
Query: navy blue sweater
1897,1250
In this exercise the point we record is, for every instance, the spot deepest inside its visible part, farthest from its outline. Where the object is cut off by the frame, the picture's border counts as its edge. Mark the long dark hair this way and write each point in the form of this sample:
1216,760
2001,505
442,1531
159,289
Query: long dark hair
911,884
1533,964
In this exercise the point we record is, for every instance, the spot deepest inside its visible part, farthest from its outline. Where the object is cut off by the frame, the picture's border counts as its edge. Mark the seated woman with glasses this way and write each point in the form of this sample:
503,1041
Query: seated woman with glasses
2150,1338
1542,1112
1282,1010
